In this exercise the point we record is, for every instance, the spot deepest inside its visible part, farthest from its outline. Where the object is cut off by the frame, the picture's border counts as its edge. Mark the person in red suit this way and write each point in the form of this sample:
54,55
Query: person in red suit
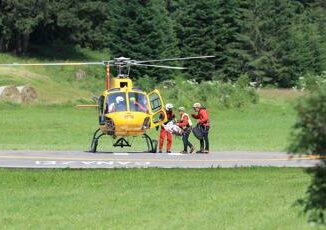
203,123
164,133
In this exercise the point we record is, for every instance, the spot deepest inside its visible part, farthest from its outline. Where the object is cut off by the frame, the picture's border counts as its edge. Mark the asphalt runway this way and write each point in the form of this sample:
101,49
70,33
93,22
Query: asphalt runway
79,159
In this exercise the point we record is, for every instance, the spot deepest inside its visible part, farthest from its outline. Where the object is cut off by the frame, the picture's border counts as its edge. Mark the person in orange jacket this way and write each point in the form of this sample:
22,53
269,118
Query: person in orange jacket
203,123
163,132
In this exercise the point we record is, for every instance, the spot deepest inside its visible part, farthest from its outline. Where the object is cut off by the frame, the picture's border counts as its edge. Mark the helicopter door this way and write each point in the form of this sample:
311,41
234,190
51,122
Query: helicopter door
101,110
158,115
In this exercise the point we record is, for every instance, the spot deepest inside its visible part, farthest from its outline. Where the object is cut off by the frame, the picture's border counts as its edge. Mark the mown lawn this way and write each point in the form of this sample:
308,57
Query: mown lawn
262,127
242,198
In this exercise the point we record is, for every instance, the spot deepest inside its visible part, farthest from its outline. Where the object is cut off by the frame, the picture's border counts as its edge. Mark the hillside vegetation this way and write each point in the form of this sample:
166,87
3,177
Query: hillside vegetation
241,118
55,84
274,42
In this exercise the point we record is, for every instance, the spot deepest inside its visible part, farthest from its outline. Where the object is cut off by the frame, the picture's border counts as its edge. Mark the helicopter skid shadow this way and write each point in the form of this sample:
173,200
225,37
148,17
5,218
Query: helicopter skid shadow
119,152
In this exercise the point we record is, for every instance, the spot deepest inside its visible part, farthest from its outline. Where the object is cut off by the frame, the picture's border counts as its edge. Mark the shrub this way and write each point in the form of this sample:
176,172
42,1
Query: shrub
243,81
309,137
311,82
145,83
209,93
310,129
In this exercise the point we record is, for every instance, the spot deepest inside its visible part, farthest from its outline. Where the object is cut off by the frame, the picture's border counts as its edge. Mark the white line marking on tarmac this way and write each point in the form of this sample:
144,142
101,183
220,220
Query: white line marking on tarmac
121,154
176,154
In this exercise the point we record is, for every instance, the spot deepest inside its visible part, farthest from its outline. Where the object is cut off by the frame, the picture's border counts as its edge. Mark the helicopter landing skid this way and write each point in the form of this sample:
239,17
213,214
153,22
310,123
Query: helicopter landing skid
122,142
151,144
95,139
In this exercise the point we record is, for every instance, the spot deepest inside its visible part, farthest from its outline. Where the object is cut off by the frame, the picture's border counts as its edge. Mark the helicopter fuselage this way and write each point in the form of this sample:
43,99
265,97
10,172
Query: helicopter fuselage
127,111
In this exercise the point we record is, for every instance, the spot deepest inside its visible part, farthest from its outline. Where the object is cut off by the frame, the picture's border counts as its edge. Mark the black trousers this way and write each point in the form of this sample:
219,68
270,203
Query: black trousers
185,139
204,143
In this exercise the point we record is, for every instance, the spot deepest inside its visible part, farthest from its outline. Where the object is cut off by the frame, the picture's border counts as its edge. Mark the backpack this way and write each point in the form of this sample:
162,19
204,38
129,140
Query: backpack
198,132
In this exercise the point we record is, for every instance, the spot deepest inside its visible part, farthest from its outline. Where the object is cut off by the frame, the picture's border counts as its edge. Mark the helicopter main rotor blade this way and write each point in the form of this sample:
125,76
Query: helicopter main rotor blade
158,66
175,59
58,64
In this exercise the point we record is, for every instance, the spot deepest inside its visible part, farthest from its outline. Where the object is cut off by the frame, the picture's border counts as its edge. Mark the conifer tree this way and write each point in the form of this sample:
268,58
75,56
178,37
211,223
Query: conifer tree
196,31
142,29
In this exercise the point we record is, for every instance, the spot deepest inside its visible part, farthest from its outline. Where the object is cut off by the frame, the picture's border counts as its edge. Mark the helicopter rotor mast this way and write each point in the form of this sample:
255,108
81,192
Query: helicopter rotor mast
107,82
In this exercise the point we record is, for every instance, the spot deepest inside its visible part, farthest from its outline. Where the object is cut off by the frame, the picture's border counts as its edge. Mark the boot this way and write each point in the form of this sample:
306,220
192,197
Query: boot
192,149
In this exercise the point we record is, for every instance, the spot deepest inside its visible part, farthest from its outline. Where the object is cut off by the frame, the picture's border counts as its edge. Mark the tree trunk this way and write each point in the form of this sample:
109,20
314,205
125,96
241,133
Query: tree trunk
19,44
25,42
1,44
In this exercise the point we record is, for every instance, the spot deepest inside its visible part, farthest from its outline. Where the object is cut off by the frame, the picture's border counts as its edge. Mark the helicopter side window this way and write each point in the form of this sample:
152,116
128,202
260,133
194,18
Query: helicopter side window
116,102
138,102
155,102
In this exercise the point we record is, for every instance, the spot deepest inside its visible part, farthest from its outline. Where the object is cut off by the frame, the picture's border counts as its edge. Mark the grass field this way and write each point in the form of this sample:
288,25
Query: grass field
243,198
54,122
264,127
56,84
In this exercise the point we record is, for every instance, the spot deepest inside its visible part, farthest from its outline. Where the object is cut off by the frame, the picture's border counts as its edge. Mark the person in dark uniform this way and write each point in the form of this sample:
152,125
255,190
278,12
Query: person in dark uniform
186,125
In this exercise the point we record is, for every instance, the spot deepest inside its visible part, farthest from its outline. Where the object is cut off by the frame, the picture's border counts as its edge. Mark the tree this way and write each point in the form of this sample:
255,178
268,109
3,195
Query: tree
273,41
196,32
142,29
309,137
230,39
282,40
21,17
75,22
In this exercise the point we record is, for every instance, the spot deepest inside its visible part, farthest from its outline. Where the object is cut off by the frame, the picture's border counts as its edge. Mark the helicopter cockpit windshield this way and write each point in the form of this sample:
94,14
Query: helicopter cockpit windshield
116,102
138,102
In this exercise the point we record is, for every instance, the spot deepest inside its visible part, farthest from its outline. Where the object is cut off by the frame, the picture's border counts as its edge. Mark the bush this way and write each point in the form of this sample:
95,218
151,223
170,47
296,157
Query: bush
210,93
309,137
310,129
243,81
311,82
145,83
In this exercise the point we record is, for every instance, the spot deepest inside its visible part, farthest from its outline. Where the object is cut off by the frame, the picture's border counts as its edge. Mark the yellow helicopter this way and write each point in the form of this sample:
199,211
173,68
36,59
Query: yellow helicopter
123,110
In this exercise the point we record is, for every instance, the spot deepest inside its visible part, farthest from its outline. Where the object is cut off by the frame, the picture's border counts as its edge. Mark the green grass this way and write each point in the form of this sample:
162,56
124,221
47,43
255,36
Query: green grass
56,84
247,198
262,127
265,126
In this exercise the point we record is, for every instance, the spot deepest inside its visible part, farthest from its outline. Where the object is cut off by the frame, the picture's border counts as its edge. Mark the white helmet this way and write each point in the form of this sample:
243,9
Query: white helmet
168,106
197,105
119,99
